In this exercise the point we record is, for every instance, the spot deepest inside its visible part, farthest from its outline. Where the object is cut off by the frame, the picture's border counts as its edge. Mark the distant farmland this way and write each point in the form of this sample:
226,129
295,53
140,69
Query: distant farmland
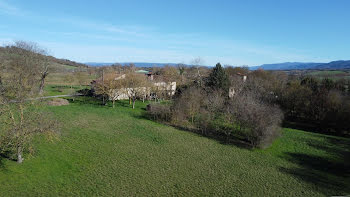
333,74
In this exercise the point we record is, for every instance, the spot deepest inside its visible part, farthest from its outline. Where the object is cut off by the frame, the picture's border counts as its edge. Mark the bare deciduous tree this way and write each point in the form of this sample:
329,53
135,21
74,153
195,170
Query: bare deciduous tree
117,68
111,87
37,57
197,62
169,74
21,119
182,68
257,121
190,102
136,85
69,79
43,74
79,76
20,122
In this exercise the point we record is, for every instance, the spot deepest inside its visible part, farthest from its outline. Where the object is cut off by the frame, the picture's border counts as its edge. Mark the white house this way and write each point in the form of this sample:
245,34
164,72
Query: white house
147,92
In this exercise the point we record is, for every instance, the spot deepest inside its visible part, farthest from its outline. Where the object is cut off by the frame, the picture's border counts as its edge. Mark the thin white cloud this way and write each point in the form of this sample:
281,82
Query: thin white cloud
135,31
115,29
139,43
105,53
8,9
88,35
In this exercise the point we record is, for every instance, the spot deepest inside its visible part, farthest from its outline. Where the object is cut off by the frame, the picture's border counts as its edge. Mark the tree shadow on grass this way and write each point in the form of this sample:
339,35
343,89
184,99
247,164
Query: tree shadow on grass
2,161
124,104
340,148
97,101
89,100
329,174
219,137
312,127
85,100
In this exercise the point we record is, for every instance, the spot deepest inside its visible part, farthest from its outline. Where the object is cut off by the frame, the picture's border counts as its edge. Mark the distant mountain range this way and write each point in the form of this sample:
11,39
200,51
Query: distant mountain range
335,65
287,66
341,64
137,64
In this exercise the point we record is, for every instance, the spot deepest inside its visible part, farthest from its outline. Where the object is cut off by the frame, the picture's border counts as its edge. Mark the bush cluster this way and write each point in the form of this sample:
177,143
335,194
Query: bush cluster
322,103
246,116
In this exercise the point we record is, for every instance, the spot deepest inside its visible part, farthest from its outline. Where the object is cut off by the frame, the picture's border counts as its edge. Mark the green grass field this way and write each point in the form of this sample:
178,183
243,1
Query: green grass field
103,151
53,90
60,79
328,72
332,74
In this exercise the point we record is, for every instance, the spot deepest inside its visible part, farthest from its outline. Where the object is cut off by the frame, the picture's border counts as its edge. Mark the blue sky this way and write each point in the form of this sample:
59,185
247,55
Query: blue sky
231,32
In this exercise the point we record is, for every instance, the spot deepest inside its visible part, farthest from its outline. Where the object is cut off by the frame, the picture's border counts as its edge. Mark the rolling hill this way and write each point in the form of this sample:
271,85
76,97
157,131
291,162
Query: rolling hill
52,60
287,66
137,64
334,65
341,64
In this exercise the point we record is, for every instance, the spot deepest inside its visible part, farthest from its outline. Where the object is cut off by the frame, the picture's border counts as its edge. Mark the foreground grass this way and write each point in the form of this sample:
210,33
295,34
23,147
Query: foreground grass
116,152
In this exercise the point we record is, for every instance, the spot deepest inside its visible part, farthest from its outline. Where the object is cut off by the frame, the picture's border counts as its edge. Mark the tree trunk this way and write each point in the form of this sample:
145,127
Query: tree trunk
42,80
71,90
129,101
113,102
133,103
143,99
19,155
41,87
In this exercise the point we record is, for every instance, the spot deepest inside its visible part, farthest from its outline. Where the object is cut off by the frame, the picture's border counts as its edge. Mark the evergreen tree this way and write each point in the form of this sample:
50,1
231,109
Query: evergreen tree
218,78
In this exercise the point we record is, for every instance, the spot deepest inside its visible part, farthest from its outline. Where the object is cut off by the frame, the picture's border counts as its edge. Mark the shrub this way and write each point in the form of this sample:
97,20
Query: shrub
159,112
258,122
188,105
248,116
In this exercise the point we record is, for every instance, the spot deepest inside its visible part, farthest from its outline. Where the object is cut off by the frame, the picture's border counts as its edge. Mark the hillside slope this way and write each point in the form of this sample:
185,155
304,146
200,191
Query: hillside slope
137,64
341,64
52,60
335,65
105,151
288,66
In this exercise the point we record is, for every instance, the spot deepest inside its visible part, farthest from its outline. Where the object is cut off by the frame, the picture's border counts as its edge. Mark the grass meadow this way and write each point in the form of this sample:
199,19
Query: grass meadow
332,74
54,90
105,151
60,78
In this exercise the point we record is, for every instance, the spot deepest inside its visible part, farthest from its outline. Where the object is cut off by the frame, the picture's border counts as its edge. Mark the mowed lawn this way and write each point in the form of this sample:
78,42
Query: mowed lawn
103,151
